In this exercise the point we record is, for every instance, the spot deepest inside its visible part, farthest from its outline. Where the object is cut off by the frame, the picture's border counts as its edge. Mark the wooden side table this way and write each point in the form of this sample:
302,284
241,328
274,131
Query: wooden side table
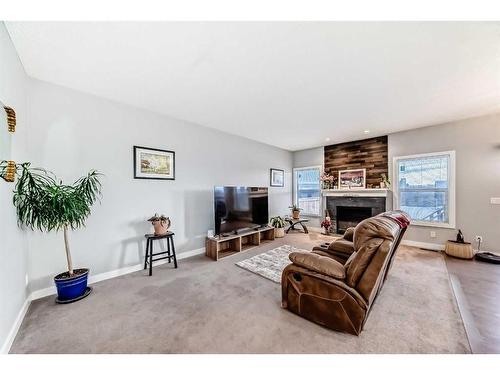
148,258
462,250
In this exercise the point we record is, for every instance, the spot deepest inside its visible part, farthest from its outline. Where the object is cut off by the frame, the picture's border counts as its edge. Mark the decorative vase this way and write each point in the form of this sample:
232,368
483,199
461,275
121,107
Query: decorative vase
296,214
160,224
382,185
279,232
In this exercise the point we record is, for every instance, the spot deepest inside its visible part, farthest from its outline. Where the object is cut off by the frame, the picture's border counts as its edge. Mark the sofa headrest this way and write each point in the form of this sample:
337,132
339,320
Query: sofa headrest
400,217
376,227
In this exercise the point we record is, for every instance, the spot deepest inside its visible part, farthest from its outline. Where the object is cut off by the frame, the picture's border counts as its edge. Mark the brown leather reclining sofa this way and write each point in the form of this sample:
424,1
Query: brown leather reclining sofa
339,295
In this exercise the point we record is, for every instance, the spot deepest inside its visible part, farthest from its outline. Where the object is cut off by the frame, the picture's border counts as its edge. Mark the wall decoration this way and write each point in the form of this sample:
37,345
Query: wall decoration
7,127
154,164
352,179
8,170
277,177
11,119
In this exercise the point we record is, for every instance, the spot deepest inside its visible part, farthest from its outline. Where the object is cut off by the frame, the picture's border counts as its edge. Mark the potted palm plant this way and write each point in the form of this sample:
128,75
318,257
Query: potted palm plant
279,226
47,205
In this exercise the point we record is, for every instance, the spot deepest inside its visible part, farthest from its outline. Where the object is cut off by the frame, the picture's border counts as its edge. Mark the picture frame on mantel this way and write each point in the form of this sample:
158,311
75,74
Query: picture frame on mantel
154,163
352,179
277,177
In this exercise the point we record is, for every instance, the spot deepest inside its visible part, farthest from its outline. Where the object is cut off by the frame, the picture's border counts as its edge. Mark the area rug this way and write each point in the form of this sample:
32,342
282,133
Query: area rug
269,264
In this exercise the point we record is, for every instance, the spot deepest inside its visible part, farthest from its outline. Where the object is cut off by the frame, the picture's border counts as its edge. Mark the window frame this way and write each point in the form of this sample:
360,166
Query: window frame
451,224
294,183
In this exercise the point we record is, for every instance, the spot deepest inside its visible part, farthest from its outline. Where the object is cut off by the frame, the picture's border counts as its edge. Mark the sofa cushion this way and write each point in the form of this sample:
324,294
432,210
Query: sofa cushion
341,258
342,246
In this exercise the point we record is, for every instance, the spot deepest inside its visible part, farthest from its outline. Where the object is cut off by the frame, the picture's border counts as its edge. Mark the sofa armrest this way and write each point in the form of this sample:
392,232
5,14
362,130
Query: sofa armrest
341,246
318,263
349,234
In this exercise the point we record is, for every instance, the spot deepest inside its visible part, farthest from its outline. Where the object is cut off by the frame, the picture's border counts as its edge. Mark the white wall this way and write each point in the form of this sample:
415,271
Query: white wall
13,244
309,157
72,132
477,145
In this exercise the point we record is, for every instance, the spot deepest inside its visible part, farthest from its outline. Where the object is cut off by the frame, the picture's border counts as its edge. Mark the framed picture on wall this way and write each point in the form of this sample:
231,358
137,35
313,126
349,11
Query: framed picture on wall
352,179
153,163
277,177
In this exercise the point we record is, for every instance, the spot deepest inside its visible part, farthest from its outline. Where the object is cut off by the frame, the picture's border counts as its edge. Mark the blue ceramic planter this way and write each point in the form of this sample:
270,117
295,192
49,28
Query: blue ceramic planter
71,288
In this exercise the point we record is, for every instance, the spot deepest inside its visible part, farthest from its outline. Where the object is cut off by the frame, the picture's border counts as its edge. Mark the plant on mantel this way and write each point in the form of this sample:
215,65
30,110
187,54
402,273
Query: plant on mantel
386,183
45,204
327,181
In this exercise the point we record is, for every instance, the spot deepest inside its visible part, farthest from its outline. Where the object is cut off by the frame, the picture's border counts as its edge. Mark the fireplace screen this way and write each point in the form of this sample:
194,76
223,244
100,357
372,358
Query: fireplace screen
351,216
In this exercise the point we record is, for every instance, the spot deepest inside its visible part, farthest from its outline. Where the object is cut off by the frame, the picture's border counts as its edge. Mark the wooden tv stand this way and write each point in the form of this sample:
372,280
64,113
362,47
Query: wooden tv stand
218,248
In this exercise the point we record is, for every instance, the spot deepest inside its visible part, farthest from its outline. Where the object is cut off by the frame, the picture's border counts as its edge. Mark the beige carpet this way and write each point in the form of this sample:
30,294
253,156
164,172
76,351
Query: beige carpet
217,307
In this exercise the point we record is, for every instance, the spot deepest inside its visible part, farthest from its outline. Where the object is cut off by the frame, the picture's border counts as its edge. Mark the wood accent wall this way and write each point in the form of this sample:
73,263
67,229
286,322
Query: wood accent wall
367,153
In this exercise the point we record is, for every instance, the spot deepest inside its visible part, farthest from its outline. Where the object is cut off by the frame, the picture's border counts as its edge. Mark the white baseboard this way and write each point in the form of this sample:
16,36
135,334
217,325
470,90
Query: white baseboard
37,294
191,253
15,327
424,245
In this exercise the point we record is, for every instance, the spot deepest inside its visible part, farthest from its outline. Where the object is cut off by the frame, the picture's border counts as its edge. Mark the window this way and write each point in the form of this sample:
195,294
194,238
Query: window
307,191
425,188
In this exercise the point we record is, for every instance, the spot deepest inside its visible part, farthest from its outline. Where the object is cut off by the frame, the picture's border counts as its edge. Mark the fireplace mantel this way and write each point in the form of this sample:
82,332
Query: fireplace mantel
355,192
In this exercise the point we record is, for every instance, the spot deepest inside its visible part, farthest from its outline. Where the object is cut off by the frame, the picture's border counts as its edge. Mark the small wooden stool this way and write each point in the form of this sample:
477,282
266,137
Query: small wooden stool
462,250
148,259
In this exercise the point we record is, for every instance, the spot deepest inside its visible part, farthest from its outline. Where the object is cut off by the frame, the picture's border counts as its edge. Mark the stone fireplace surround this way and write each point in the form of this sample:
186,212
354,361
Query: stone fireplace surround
348,207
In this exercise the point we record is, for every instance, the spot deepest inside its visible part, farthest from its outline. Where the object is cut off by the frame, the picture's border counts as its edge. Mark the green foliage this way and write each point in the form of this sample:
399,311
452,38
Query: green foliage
277,222
44,204
385,179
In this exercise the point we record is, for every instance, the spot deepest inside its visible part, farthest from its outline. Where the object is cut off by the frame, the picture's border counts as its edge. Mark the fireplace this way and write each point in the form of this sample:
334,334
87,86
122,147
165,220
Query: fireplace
348,211
351,216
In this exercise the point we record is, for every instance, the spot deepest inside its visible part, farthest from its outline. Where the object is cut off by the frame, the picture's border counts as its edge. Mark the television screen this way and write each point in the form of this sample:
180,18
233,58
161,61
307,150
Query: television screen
240,207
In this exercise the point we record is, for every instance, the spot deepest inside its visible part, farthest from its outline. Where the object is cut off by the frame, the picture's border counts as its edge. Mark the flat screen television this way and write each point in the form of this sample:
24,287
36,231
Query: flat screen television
240,207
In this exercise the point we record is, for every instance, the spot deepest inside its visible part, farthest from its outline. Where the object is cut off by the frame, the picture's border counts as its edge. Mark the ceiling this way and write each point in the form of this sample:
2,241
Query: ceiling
294,85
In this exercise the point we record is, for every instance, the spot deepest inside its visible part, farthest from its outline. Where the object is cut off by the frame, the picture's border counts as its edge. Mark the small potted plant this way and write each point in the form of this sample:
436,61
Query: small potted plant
160,223
279,226
386,183
327,223
295,211
45,204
